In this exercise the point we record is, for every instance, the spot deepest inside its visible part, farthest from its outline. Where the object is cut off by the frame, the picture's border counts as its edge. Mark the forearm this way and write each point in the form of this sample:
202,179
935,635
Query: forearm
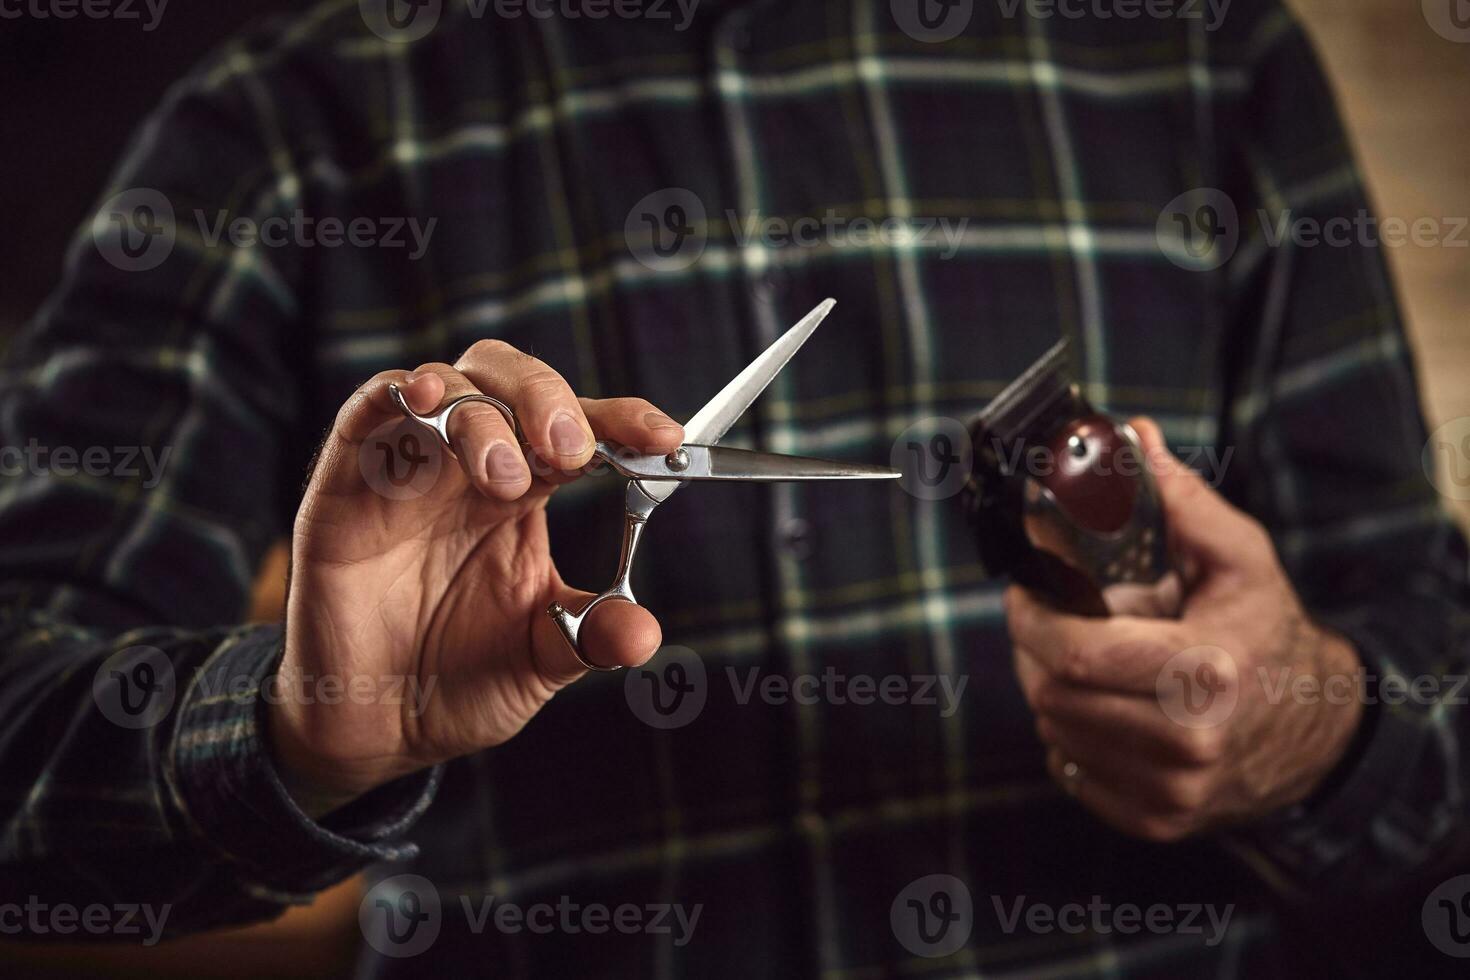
166,797
1395,805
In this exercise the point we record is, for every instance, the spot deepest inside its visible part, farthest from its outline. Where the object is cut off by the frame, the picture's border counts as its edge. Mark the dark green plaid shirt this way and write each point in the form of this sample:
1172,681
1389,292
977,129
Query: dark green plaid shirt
798,827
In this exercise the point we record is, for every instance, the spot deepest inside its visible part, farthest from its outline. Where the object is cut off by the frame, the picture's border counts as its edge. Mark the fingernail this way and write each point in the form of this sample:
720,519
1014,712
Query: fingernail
567,437
411,379
504,464
658,420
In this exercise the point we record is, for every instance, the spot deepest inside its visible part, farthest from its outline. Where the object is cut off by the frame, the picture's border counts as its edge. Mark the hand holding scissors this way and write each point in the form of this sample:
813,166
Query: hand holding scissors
442,581
654,478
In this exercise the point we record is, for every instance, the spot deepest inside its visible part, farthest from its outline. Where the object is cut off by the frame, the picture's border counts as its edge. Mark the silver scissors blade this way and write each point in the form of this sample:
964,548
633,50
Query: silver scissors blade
691,463
712,421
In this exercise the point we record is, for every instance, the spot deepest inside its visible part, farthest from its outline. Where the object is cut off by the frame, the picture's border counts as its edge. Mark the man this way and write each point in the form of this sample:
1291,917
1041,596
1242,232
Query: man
524,815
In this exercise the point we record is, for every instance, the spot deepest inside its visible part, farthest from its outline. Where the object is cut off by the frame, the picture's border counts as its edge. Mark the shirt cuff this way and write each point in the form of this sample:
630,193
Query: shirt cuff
224,778
1306,841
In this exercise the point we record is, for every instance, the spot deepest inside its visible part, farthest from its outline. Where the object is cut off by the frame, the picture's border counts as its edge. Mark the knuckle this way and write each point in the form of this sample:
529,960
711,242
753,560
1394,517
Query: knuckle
479,421
1133,651
1045,698
433,367
488,348
1203,746
1011,607
1259,539
1077,665
1182,796
544,383
1161,829
485,351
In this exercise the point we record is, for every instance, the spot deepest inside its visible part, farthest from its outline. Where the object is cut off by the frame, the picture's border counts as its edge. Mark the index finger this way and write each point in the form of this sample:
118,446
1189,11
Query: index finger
1121,653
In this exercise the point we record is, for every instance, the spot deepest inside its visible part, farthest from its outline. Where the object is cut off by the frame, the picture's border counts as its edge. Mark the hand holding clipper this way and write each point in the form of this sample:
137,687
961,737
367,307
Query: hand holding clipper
1063,500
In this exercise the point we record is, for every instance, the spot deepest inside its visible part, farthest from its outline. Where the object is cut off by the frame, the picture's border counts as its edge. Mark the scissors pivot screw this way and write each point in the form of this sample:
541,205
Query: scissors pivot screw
678,460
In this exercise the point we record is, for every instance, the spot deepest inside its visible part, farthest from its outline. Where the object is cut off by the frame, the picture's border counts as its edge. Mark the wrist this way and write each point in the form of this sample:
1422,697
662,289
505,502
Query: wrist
1339,720
300,771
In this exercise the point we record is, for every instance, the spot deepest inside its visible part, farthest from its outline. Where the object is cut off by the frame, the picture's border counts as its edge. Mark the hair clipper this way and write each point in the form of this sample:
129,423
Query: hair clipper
1062,499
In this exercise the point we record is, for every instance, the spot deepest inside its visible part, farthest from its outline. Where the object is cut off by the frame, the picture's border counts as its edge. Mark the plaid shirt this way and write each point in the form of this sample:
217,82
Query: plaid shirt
799,827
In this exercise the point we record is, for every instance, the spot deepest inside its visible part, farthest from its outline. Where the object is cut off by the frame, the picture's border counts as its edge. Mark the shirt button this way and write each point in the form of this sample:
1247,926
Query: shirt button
796,539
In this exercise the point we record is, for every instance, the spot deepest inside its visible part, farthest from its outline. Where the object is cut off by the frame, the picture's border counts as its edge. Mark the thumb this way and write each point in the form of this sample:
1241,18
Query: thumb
1205,526
615,634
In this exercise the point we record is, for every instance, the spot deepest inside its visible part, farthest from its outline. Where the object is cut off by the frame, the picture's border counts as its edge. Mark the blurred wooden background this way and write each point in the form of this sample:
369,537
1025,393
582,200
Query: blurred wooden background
1404,91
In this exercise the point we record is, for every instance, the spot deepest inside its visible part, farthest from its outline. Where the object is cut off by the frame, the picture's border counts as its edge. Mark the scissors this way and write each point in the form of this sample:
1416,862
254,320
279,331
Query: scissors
653,479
